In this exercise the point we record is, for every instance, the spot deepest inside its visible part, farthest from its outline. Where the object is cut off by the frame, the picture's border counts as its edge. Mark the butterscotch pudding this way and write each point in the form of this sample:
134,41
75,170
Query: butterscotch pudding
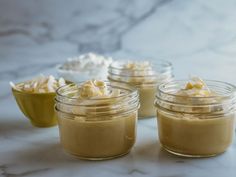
97,120
196,118
143,75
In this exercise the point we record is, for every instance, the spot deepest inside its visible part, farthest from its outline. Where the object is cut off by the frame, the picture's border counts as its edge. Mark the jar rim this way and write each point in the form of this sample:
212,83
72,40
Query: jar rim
161,88
132,91
135,98
138,76
157,62
158,72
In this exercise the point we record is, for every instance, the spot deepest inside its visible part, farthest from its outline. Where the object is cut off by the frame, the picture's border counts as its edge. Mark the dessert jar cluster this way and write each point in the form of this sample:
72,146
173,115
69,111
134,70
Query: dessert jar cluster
197,121
97,120
144,76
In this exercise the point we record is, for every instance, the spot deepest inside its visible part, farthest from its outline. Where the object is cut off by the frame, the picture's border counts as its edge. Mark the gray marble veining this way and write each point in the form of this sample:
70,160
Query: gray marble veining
198,37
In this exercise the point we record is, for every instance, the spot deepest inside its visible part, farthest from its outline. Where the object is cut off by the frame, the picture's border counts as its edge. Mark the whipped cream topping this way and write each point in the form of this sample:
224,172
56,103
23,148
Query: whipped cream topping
97,89
195,96
95,92
139,71
41,84
137,65
196,87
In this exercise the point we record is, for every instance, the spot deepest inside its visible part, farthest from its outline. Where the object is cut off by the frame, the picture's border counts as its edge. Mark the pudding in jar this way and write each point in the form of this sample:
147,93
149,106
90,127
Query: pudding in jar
196,118
143,75
97,119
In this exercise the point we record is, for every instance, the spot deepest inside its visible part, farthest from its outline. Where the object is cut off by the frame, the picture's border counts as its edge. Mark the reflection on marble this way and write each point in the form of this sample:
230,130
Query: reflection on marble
198,37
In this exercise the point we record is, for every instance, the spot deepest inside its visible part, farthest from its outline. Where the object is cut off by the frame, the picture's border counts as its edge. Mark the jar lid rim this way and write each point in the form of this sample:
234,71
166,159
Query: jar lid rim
157,62
161,88
133,91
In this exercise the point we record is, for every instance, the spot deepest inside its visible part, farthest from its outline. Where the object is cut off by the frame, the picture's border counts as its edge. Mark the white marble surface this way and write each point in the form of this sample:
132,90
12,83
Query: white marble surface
197,36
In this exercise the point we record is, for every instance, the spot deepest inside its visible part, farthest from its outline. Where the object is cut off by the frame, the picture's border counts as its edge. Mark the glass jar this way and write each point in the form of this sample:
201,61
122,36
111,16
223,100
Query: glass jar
196,126
145,80
97,128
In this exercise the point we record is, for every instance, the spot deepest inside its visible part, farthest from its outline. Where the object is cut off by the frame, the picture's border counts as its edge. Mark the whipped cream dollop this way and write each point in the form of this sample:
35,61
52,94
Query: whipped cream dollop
194,95
139,72
41,84
96,92
97,89
196,87
137,65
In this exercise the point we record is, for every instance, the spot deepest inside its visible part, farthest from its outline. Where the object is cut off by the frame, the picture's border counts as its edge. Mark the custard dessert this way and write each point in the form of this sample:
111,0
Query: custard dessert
97,120
196,120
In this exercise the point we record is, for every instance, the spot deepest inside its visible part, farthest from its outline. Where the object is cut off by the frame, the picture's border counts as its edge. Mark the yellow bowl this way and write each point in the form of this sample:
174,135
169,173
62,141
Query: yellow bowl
38,107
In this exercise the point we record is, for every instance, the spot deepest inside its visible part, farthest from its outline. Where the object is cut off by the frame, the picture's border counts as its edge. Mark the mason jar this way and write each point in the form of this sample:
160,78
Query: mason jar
196,126
97,128
145,80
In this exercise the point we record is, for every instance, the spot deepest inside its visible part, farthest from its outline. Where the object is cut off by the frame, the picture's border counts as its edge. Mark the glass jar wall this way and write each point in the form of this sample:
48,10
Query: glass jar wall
145,76
97,128
196,126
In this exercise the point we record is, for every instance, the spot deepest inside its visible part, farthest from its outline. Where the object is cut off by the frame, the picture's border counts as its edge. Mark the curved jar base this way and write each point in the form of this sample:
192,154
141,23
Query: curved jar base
190,155
97,158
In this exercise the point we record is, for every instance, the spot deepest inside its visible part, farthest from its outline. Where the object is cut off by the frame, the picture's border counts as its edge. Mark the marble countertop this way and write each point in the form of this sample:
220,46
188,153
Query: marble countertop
197,36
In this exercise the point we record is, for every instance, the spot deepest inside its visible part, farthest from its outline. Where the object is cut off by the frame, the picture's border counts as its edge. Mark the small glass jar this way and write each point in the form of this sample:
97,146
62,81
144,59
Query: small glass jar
97,128
196,126
145,80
